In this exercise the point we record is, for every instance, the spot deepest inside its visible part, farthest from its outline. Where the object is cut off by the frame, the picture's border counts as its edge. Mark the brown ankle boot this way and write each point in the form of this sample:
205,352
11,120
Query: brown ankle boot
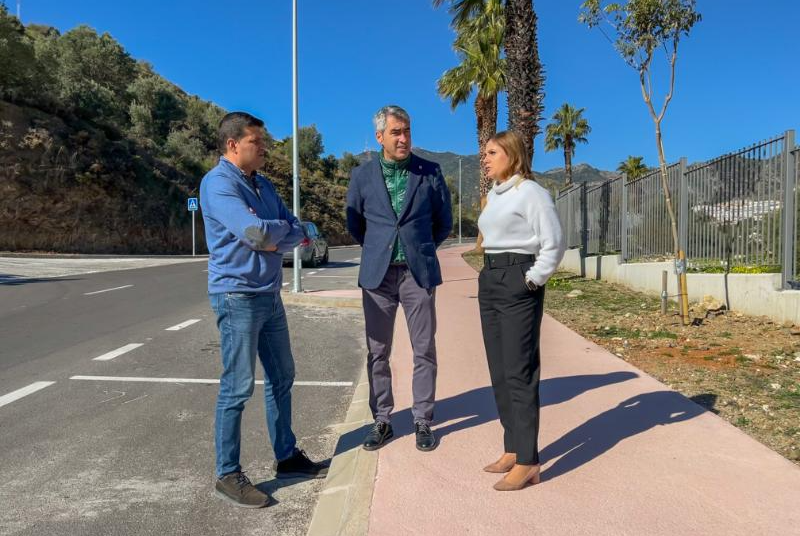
519,477
503,465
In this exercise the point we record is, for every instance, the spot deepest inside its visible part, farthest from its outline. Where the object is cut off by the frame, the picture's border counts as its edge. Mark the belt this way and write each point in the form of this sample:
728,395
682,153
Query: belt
501,260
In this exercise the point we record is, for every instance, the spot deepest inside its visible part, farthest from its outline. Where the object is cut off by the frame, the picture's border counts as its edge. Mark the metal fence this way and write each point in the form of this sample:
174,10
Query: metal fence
739,208
568,206
648,229
735,207
603,224
795,276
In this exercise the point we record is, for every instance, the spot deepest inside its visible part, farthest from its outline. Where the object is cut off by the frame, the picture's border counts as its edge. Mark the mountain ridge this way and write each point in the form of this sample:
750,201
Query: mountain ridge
552,179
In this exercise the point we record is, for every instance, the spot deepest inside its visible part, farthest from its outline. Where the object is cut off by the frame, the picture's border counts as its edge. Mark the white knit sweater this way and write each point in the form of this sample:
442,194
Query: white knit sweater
520,217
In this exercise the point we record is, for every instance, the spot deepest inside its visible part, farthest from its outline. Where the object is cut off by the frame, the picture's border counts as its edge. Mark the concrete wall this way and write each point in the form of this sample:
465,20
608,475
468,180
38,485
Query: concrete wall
752,294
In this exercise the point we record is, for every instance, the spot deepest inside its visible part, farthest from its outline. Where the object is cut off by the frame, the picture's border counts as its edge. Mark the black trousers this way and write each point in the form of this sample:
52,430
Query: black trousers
511,318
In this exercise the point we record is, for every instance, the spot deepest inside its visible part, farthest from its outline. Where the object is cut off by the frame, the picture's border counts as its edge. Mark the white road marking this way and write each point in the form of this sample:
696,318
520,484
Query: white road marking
194,380
118,352
182,325
353,260
311,273
106,290
284,284
25,391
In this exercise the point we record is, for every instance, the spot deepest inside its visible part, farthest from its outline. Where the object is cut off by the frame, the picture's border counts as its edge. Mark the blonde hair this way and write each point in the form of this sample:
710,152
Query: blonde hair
514,147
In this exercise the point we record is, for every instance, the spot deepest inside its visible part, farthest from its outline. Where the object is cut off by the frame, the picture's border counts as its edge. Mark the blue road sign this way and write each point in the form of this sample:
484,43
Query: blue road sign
192,204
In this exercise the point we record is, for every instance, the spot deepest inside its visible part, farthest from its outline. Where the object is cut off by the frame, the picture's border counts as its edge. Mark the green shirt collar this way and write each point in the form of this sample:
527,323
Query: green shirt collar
393,165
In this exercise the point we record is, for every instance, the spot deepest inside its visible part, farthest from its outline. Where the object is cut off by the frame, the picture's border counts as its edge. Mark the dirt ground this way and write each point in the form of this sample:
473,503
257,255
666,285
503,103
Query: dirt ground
745,369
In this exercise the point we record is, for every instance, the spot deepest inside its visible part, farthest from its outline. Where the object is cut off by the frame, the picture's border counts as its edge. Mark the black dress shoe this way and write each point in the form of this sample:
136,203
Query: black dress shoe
381,433
425,439
299,466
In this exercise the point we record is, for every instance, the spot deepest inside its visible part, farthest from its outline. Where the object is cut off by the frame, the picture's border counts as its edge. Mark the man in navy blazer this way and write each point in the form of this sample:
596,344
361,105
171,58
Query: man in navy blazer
398,209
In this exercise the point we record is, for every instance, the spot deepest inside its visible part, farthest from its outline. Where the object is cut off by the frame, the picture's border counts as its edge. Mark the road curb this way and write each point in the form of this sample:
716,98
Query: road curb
313,300
346,498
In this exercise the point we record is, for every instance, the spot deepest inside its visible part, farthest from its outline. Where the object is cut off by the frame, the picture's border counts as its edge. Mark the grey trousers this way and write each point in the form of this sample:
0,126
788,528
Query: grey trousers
380,309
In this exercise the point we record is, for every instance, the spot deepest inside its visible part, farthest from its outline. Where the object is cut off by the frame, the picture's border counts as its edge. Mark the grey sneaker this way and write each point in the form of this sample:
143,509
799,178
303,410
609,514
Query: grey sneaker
236,488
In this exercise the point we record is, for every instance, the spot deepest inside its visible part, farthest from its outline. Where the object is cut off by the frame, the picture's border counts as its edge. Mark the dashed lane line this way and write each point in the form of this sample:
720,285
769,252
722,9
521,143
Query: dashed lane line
182,325
118,352
106,290
25,391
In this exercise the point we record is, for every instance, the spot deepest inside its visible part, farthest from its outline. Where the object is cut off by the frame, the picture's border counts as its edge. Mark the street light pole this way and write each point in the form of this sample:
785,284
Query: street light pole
296,265
459,200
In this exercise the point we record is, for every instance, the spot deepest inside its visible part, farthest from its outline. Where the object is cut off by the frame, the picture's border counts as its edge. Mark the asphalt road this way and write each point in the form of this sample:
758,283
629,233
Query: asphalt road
341,272
120,455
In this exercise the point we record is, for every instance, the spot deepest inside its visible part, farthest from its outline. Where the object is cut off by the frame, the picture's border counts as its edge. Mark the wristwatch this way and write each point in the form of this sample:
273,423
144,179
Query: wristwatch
533,287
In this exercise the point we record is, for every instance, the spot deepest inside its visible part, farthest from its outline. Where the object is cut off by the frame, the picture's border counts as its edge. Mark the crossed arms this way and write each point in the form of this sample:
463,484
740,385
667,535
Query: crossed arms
225,204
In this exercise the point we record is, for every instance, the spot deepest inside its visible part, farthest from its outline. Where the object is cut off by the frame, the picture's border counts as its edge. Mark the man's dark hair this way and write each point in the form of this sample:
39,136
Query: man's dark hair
232,127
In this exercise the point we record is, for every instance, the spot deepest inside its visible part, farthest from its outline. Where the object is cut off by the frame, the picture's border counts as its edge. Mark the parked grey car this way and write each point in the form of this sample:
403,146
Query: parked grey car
313,248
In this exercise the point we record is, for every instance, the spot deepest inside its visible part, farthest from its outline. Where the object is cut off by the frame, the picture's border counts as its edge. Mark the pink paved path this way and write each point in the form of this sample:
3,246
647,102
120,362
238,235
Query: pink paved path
622,453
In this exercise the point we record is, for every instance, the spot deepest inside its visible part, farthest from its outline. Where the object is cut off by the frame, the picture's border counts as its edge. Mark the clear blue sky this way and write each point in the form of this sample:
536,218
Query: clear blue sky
738,73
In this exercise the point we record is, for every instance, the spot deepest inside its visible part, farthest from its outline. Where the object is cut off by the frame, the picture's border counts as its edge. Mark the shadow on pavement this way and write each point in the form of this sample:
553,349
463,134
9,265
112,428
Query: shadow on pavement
477,407
15,280
271,486
707,400
339,264
600,434
557,390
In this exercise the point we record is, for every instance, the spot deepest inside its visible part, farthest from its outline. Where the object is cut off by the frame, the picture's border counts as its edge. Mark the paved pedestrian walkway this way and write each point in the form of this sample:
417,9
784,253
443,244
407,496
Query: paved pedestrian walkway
621,452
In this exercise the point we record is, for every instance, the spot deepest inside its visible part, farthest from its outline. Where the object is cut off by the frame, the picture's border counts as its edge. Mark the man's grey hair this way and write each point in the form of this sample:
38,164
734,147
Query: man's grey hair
379,120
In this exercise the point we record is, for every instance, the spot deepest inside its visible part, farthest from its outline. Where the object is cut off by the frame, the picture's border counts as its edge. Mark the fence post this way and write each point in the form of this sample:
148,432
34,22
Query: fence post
571,199
683,209
788,235
584,228
605,216
623,219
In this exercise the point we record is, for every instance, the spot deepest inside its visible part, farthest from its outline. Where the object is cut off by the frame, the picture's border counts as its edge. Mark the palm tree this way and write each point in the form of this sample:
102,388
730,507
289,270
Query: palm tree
478,45
482,69
568,128
525,72
633,167
525,75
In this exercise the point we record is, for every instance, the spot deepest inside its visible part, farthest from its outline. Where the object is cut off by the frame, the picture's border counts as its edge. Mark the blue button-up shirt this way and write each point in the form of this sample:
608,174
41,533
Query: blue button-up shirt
243,216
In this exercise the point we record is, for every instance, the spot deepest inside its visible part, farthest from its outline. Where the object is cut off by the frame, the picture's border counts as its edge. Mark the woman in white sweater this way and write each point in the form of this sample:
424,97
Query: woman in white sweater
523,246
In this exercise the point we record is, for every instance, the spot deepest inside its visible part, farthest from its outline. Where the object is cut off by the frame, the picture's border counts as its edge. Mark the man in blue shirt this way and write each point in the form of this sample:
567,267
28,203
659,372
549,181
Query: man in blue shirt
248,228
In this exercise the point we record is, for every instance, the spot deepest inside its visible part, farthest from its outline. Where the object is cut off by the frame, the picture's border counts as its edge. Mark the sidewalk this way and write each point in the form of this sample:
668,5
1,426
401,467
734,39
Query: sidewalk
621,452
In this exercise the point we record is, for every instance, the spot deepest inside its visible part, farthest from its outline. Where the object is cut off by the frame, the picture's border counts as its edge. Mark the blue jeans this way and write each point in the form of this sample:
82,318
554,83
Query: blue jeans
252,324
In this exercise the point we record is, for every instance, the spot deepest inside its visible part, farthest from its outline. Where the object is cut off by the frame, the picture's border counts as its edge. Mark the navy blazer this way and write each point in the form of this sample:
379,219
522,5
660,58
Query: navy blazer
423,224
